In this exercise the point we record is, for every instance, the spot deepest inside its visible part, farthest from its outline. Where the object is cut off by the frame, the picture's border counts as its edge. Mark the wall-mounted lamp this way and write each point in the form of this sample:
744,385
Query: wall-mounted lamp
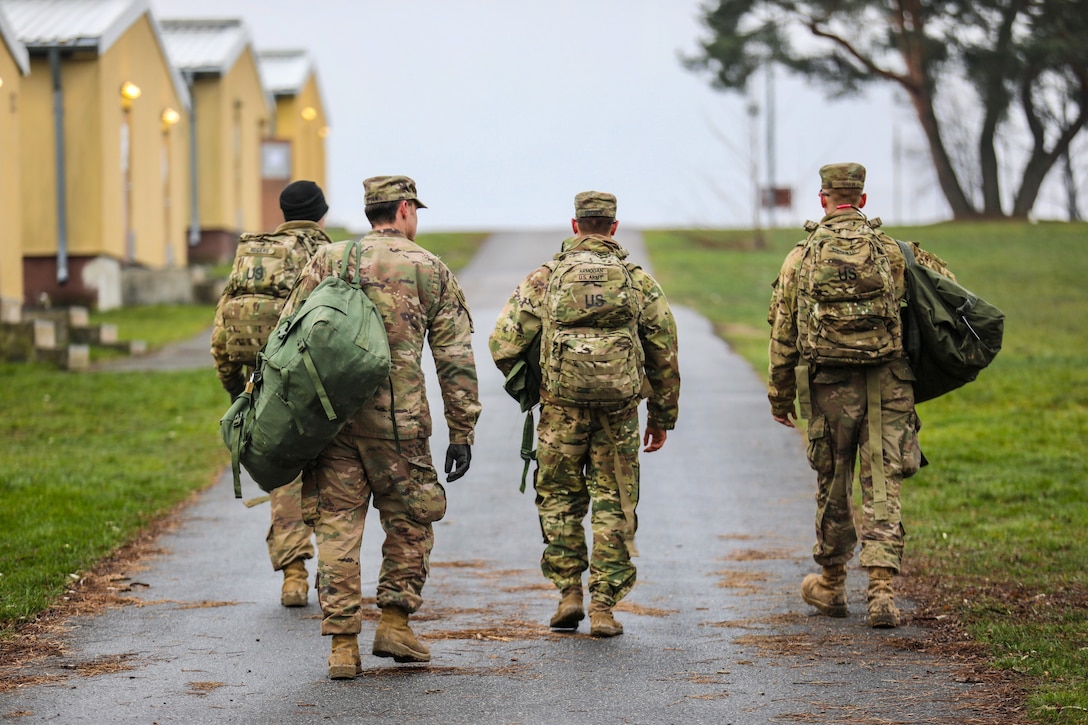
309,113
169,117
1,82
323,132
129,93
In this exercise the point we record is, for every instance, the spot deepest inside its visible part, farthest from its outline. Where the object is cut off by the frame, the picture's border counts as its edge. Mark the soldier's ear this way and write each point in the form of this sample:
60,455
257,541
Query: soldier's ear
574,225
861,201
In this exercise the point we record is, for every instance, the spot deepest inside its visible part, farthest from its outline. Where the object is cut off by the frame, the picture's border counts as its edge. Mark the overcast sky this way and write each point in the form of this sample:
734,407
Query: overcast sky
502,111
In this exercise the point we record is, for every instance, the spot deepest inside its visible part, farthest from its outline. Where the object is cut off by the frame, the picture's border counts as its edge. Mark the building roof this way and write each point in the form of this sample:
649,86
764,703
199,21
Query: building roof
204,45
17,49
92,25
284,72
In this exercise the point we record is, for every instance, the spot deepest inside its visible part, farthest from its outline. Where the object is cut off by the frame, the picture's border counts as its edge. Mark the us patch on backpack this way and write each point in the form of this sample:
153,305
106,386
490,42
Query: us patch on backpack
847,307
591,353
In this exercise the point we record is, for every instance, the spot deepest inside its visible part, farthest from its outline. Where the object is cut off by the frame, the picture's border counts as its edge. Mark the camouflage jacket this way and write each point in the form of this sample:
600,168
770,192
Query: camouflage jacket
419,299
299,237
782,315
521,320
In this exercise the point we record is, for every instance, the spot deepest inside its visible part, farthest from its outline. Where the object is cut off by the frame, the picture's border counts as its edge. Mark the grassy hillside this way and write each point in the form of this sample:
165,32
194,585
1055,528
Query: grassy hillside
995,523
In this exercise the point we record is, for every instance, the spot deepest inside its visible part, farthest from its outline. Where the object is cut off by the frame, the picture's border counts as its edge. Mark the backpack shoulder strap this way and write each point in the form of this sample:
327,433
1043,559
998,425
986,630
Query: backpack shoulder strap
344,263
908,253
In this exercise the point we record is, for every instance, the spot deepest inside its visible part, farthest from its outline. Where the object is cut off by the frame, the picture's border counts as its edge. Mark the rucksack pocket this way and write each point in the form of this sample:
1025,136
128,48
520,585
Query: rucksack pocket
857,332
248,320
596,368
422,494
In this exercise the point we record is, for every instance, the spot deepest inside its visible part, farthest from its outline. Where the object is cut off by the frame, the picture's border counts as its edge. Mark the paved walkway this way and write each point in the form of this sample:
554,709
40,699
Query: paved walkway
715,629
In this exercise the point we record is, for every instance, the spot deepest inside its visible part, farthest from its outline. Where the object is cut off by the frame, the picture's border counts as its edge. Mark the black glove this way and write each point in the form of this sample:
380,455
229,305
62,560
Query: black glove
458,456
235,389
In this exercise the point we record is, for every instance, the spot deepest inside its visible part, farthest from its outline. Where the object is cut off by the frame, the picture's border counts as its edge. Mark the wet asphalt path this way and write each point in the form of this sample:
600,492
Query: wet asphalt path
715,629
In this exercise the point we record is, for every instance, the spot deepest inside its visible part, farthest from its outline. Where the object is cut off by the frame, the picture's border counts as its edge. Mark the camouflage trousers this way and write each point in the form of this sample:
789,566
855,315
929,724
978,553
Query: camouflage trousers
288,535
408,496
576,467
838,435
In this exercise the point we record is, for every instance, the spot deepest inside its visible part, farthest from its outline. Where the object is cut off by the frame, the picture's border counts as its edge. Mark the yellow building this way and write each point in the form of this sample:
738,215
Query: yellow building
230,115
296,147
105,148
14,64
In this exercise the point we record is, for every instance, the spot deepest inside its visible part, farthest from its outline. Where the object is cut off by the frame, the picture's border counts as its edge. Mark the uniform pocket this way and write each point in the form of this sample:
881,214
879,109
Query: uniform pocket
912,450
422,494
820,456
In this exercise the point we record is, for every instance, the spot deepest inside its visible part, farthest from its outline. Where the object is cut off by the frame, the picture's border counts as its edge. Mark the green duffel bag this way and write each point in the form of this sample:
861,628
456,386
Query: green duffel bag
950,334
318,368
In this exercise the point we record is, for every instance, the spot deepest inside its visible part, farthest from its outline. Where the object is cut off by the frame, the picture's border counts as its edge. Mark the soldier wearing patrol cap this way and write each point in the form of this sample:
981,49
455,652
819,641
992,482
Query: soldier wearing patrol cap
588,449
382,453
854,387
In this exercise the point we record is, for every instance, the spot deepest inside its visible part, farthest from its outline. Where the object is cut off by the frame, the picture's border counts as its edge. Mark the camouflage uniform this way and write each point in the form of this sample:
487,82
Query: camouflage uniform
419,299
584,455
288,536
835,402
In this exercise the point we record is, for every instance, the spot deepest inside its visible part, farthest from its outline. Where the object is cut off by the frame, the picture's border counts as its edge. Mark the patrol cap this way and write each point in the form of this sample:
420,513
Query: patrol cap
842,176
595,203
380,189
303,200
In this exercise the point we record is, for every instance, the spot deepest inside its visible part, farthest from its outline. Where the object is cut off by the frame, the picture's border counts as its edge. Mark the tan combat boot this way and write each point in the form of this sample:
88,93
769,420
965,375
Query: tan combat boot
344,662
295,584
570,612
601,621
395,638
827,591
882,610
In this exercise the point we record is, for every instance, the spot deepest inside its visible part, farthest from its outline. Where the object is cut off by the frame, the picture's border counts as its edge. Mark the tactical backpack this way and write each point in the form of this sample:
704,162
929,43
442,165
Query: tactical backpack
263,274
950,334
847,307
591,356
320,365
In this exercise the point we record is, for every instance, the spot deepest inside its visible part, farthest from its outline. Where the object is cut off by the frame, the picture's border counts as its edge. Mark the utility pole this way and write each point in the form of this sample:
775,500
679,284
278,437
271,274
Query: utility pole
897,166
770,195
753,158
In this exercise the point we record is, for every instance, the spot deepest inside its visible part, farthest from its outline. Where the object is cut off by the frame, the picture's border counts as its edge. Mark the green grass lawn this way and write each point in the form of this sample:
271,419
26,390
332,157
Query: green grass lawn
996,523
89,459
86,461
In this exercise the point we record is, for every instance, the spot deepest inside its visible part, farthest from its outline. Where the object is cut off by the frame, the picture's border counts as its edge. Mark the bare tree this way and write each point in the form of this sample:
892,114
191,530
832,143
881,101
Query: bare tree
1025,56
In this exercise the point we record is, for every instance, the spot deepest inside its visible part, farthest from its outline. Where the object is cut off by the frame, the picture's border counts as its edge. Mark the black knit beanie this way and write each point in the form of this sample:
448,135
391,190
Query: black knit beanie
302,200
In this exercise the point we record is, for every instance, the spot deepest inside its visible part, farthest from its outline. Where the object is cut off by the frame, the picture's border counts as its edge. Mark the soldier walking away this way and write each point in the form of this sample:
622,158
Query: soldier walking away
607,340
266,267
836,345
383,452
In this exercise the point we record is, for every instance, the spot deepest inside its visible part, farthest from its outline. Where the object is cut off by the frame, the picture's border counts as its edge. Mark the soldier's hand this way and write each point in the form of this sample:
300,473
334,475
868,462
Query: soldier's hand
653,439
236,389
787,419
458,456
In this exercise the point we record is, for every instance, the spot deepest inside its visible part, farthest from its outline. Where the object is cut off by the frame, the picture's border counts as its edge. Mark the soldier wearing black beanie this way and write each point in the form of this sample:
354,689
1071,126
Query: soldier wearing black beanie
302,201
266,266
